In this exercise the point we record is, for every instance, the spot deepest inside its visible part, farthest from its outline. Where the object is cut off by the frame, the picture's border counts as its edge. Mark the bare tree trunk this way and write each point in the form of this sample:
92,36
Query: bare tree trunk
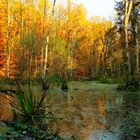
104,61
127,55
67,47
128,8
43,43
136,55
8,56
20,38
111,64
45,50
9,4
136,45
46,56
50,51
94,60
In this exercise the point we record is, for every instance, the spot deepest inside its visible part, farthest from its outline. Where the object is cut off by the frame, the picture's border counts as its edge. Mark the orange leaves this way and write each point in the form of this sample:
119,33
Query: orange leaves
72,36
3,35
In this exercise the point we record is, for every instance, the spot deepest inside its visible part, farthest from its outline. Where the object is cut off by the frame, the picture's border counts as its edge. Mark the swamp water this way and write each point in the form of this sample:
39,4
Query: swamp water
91,111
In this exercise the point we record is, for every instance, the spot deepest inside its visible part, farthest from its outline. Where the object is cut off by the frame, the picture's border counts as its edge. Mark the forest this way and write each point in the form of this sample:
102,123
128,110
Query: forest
67,76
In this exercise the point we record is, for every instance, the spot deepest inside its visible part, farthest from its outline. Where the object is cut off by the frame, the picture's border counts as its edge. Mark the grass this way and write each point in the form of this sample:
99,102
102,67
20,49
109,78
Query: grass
105,80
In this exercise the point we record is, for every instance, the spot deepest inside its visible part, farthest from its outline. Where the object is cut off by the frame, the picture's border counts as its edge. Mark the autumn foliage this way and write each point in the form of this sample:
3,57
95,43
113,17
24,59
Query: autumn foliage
36,40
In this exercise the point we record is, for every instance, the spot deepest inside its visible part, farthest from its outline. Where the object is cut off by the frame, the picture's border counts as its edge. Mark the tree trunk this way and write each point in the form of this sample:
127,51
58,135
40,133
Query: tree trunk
136,46
96,60
43,43
64,85
111,64
8,56
128,8
9,37
20,39
104,61
127,55
46,56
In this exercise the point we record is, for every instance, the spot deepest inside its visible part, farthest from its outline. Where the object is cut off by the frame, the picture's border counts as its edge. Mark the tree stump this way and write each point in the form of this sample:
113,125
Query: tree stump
64,85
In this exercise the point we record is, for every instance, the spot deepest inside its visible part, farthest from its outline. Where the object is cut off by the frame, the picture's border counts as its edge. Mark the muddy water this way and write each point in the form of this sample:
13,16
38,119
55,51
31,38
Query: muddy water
82,113
95,113
91,112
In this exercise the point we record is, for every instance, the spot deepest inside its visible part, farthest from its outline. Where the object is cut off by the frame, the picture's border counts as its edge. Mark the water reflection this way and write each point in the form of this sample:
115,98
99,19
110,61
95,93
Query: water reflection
97,116
89,114
82,112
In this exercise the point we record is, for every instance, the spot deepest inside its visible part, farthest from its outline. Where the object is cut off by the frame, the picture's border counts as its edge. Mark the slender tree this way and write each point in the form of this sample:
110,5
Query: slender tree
128,8
135,24
8,38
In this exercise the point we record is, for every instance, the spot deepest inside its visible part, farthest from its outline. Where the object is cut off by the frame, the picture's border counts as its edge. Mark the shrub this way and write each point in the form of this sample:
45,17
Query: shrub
131,85
54,79
29,105
106,80
6,81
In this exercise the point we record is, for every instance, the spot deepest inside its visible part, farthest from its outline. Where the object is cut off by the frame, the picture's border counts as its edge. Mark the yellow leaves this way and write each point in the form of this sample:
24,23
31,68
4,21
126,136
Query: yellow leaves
3,25
70,30
41,5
